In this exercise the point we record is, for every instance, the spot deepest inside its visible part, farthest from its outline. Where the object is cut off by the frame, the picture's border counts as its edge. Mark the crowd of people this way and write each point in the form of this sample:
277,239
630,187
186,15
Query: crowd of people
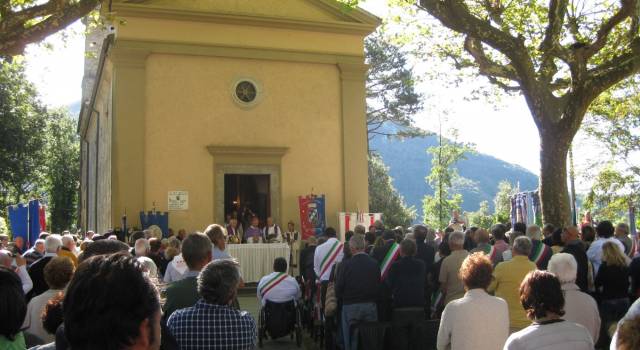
520,287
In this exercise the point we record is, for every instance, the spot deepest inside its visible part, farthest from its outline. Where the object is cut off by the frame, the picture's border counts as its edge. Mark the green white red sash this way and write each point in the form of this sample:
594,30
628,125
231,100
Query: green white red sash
540,253
274,281
330,257
391,256
491,252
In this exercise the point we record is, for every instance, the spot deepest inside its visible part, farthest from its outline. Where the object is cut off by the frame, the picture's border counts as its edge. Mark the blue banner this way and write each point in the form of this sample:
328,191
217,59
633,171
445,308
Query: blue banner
34,222
19,220
160,219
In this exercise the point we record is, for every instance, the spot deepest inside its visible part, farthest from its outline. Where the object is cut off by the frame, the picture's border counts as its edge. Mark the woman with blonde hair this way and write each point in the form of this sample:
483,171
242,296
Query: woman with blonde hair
612,285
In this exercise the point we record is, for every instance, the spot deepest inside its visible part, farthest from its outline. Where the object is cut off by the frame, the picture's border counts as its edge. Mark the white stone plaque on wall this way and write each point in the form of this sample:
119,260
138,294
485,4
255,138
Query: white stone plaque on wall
178,200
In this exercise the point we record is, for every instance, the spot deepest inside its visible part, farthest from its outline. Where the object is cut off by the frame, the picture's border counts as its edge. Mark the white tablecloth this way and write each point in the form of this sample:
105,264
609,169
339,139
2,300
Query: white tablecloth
256,260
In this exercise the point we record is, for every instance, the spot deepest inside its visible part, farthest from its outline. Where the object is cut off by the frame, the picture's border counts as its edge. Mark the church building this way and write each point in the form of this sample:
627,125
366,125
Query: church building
206,107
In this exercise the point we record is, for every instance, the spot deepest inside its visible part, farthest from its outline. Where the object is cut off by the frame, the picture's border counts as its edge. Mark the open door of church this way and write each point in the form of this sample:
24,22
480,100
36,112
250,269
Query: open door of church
247,195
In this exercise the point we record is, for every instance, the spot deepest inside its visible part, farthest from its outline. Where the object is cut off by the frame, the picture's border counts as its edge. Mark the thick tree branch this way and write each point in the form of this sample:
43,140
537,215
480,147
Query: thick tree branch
485,64
550,45
615,70
627,9
15,34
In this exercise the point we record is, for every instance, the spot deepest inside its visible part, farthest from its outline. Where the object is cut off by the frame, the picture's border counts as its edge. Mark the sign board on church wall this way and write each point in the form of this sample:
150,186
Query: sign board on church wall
178,200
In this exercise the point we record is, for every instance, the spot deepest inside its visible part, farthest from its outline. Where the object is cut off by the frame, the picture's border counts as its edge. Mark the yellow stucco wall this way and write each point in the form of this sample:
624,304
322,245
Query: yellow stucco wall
189,106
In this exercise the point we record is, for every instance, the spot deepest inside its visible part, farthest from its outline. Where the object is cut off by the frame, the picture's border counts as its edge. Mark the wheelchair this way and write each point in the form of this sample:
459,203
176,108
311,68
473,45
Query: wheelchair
277,320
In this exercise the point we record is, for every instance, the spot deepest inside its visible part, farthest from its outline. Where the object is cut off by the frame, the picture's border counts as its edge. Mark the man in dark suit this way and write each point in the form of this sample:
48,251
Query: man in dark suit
379,253
36,271
196,251
426,254
357,286
574,246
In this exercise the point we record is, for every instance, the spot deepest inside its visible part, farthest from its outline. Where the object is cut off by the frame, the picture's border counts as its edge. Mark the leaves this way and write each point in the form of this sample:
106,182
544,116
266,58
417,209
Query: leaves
384,198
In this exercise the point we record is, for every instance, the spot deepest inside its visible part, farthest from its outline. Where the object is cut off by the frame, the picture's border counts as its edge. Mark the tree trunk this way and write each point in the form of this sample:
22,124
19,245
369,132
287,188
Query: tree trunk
554,192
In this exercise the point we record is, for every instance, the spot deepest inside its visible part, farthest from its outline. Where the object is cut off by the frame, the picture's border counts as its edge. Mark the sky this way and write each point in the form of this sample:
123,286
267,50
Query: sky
505,131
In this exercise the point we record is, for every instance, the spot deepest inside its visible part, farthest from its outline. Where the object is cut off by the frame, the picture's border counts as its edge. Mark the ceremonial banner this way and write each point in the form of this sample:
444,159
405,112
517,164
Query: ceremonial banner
160,219
19,221
348,221
312,218
34,222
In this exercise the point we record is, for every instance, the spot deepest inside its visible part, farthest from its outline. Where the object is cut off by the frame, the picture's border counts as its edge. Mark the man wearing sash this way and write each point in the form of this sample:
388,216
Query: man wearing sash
386,255
324,257
540,252
278,286
482,237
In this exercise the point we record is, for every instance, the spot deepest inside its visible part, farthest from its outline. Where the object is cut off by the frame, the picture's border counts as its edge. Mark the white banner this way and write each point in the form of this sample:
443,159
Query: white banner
348,221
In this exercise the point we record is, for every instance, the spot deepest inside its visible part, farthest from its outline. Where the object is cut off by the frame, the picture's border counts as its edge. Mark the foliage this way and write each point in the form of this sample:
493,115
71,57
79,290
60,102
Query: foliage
437,207
22,143
39,149
23,22
502,201
63,164
482,218
3,226
383,197
391,95
612,193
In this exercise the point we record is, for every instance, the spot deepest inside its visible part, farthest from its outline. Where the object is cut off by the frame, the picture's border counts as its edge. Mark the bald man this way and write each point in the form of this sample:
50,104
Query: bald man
574,246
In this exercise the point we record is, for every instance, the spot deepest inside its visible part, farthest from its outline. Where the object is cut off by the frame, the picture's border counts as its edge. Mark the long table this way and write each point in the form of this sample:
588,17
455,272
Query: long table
256,260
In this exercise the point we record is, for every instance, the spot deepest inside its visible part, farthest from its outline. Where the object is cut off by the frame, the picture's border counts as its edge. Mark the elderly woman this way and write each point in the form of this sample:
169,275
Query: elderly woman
218,237
579,307
542,299
465,322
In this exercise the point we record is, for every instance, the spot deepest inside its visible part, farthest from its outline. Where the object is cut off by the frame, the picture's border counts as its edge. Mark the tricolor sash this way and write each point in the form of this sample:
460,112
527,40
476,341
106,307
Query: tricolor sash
391,256
274,281
330,257
540,253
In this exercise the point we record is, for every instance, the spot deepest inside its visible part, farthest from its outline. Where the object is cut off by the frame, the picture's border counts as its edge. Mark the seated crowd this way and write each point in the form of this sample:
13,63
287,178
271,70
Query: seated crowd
523,287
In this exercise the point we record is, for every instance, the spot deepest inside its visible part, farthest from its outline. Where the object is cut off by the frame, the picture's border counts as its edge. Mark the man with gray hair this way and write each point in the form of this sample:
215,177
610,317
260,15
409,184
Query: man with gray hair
358,286
68,249
7,259
540,252
622,234
34,253
507,277
212,323
450,283
36,271
141,247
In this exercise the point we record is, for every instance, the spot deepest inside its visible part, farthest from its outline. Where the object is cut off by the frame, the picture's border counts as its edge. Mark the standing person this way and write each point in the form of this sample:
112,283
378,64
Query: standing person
325,256
57,274
612,285
464,321
540,252
34,253
605,232
426,254
574,246
406,280
7,260
482,237
68,249
450,282
385,255
13,308
357,286
547,233
122,312
217,235
622,234
177,267
579,307
306,260
498,232
157,255
292,234
271,233
213,323
36,271
542,299
507,278
253,234
196,250
588,236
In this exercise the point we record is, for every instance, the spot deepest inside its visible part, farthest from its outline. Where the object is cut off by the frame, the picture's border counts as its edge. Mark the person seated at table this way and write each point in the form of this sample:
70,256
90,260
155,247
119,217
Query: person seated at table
253,234
271,233
217,235
278,286
234,231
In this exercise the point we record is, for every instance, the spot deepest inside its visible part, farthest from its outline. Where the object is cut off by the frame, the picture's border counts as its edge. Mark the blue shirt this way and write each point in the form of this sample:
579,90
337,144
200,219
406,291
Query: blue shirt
208,326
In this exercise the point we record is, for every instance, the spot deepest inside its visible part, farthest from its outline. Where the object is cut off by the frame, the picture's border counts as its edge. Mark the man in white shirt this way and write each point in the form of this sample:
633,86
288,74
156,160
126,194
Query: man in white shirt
605,232
20,268
325,256
278,286
271,233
